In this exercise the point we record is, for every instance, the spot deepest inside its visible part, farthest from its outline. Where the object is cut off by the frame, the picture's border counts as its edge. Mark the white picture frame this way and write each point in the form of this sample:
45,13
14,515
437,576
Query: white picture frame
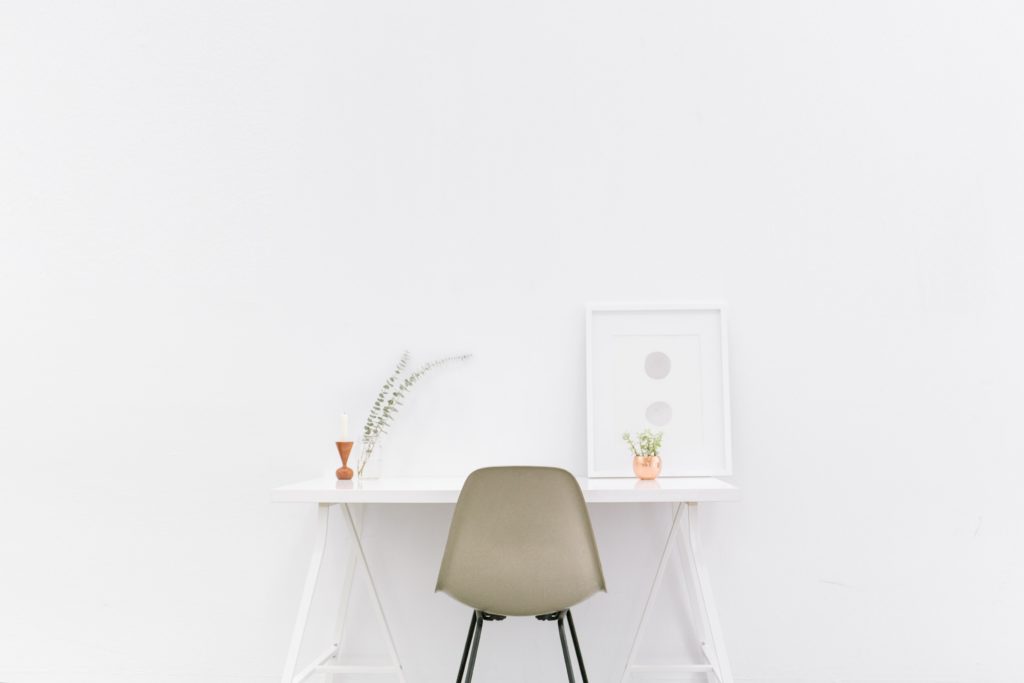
663,366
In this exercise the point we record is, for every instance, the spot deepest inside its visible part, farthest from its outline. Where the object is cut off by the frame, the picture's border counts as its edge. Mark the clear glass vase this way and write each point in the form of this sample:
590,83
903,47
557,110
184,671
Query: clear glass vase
371,459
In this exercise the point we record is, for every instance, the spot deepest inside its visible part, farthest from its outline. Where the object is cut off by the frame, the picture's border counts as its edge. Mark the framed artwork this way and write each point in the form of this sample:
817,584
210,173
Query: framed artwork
662,367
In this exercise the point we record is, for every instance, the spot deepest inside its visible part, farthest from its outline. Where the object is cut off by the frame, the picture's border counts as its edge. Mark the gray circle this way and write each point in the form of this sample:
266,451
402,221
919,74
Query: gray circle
657,365
659,413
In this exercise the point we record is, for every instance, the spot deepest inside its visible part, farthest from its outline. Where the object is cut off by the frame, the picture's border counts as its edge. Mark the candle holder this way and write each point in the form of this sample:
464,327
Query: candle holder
344,473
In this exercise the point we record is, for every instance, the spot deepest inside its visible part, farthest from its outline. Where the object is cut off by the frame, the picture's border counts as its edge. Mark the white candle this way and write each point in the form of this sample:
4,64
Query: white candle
344,427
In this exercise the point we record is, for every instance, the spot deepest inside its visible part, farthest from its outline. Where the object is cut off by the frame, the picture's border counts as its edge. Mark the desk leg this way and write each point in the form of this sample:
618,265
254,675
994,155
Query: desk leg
373,589
658,575
346,589
701,601
703,598
318,665
312,574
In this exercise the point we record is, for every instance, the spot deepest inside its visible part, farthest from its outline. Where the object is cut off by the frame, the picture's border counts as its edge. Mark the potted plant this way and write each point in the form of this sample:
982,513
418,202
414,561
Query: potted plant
645,446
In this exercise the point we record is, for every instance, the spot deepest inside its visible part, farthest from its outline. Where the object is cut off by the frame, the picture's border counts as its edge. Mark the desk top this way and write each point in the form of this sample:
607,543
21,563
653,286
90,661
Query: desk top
446,490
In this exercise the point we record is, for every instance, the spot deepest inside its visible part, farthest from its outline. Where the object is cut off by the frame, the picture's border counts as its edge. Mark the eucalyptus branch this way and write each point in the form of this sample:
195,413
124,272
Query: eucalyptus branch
395,401
391,395
378,404
389,400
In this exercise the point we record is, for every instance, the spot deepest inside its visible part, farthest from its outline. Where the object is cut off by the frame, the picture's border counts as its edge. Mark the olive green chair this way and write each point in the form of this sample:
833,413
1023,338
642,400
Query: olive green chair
520,544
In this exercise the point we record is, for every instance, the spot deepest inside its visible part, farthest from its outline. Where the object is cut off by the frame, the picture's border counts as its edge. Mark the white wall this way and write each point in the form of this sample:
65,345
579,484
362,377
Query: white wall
222,222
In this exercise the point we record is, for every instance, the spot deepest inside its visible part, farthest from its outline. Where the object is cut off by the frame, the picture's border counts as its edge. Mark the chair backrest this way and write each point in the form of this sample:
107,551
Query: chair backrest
521,543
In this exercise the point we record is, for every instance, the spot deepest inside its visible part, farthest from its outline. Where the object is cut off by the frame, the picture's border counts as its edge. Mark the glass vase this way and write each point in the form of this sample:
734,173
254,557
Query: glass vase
371,458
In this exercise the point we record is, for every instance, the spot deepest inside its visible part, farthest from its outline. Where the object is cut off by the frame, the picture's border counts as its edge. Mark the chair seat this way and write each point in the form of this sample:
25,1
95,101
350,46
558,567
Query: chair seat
522,599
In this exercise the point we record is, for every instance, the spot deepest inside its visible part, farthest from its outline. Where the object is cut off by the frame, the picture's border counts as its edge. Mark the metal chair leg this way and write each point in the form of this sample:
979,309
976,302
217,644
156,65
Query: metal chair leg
476,644
576,644
565,646
465,650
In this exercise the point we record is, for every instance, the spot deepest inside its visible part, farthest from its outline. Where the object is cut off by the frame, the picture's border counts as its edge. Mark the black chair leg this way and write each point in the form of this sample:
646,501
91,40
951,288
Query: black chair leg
476,644
576,644
465,650
565,646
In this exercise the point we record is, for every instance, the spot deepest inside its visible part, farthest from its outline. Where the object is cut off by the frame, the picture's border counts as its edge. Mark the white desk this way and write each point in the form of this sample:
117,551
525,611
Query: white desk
683,494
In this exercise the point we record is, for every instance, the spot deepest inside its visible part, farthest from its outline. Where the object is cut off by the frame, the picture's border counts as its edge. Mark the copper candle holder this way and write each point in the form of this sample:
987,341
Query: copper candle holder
344,472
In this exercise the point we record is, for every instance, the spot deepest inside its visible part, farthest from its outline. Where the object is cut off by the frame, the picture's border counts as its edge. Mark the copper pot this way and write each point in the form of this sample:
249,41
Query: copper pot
646,466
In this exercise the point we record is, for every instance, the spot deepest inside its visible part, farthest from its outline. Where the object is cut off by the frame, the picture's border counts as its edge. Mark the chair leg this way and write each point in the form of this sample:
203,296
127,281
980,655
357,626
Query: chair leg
465,650
565,646
476,644
576,644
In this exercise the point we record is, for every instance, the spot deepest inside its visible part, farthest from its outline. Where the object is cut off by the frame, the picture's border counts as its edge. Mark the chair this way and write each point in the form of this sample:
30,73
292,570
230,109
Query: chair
520,544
